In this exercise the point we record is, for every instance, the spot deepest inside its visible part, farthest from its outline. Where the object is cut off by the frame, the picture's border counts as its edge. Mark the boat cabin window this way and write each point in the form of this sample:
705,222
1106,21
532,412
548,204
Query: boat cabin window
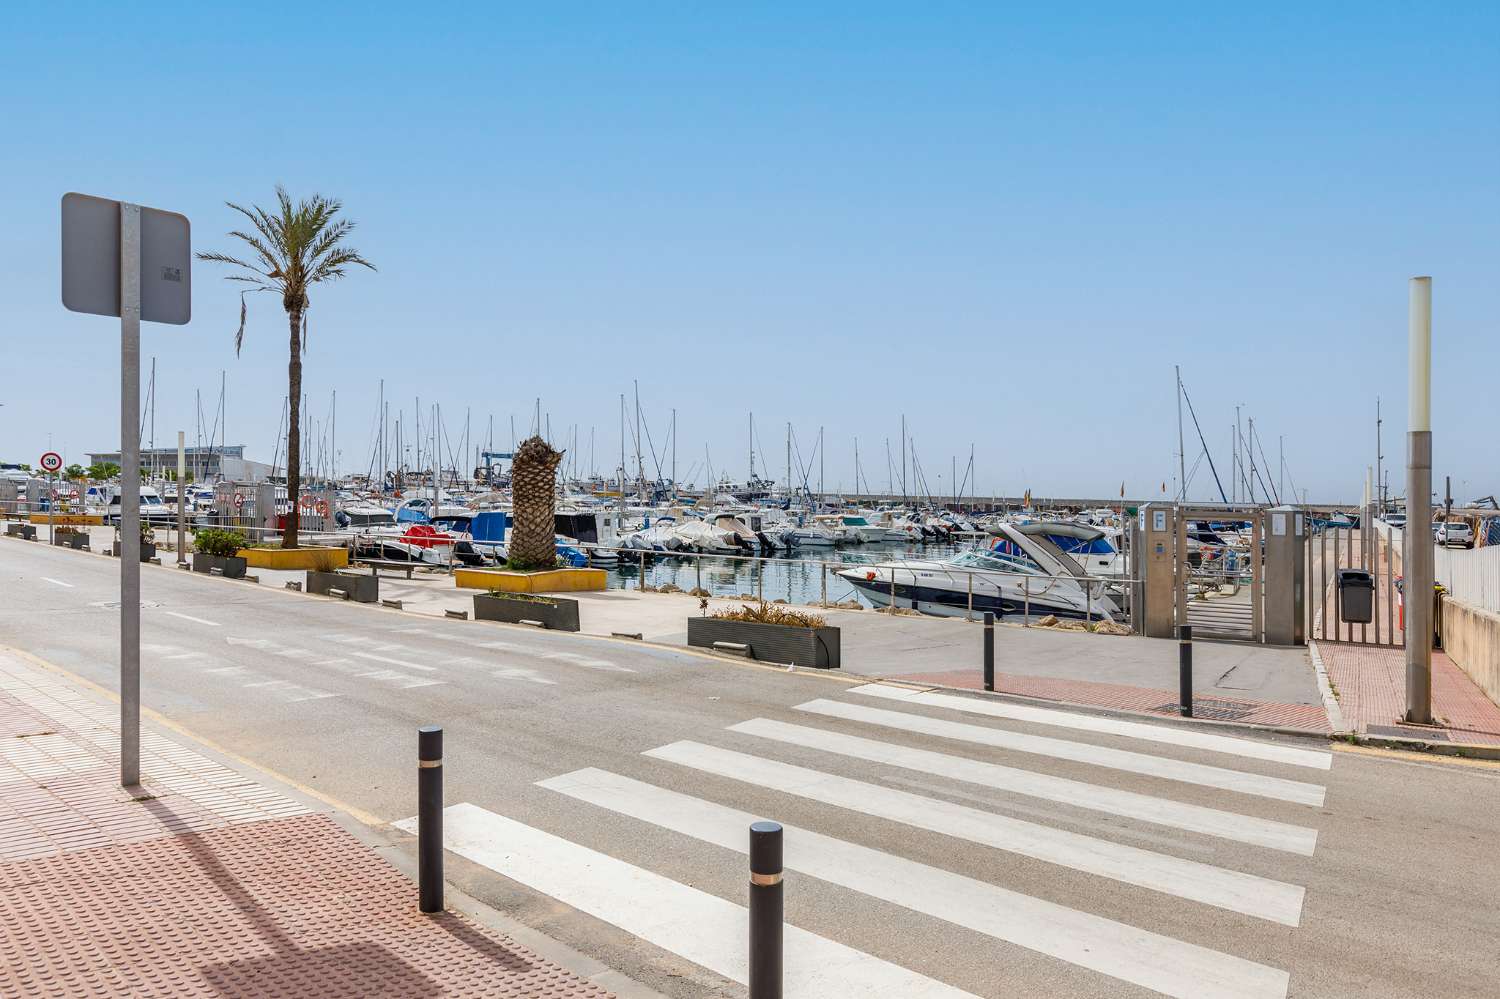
996,560
356,518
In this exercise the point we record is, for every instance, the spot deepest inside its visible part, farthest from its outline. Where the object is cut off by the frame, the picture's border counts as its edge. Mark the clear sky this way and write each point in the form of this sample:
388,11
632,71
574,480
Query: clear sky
1006,222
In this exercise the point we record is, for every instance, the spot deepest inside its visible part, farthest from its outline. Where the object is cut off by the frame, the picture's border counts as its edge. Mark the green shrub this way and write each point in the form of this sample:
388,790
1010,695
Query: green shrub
771,614
529,598
218,542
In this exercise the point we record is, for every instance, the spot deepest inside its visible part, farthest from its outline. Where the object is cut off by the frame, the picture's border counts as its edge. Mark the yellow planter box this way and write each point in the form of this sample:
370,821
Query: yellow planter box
70,519
550,581
322,559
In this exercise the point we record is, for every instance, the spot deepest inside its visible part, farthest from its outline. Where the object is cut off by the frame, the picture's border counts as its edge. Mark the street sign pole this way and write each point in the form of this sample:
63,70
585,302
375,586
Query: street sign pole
130,494
181,498
51,508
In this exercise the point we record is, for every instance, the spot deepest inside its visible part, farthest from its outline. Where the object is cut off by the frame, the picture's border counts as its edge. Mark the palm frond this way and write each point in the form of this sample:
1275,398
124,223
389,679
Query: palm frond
293,246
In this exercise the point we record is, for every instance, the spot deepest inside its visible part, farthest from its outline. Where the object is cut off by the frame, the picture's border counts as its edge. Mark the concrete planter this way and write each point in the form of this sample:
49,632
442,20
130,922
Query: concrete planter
229,566
312,558
817,648
26,531
70,539
556,614
362,588
546,581
148,552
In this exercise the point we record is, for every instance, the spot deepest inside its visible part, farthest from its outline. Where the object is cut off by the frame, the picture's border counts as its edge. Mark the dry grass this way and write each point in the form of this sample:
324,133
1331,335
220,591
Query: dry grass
771,614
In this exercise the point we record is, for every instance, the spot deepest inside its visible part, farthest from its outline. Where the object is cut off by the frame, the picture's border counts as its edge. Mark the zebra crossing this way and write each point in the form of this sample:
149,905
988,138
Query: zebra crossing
854,784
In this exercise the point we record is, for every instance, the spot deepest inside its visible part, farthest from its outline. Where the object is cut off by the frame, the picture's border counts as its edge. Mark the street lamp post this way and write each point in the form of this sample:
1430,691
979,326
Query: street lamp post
1418,558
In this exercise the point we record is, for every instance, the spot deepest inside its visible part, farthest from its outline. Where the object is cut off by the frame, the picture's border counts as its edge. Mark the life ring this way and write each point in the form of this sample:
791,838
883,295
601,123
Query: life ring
870,577
322,508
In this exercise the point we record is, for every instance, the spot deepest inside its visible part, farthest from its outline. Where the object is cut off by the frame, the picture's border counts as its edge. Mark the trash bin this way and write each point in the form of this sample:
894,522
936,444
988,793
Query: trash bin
1356,596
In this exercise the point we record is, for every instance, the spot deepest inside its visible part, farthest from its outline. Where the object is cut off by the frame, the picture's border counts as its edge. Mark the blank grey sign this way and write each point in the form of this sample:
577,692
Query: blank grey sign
91,260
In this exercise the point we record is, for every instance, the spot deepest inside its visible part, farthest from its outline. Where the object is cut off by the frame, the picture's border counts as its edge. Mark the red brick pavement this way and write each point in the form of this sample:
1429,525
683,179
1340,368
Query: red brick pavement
204,882
1127,698
285,907
1370,682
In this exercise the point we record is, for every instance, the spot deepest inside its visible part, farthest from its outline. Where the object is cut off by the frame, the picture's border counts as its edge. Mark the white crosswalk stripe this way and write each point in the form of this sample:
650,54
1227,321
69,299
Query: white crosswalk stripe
705,929
1081,752
825,850
1246,893
1168,735
1162,964
1162,811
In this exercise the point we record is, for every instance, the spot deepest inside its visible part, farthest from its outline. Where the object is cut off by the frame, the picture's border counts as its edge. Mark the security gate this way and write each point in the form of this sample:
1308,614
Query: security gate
1228,571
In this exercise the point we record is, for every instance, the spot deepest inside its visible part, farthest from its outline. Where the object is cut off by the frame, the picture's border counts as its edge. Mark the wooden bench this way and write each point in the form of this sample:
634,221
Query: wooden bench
376,564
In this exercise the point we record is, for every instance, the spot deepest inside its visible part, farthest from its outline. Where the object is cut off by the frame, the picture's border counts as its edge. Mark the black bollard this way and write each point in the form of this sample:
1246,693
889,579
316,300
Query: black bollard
430,817
1185,670
765,910
989,650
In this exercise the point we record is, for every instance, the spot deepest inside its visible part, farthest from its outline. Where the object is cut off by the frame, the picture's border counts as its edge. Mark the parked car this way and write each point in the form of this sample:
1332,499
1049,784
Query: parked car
1396,519
1455,532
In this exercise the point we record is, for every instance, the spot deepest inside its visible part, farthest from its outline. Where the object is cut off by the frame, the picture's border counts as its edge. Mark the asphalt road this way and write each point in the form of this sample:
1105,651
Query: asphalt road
932,849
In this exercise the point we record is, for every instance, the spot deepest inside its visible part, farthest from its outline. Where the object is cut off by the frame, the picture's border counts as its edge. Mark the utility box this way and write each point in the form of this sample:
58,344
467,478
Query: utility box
1356,596
1283,582
1154,563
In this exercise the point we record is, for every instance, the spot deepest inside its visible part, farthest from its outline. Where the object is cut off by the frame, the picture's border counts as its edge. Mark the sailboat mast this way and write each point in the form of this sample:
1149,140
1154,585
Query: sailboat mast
1181,457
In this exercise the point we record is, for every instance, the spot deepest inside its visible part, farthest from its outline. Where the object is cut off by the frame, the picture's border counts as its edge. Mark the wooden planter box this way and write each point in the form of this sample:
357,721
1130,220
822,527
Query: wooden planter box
148,552
27,531
362,587
229,566
71,539
558,614
773,643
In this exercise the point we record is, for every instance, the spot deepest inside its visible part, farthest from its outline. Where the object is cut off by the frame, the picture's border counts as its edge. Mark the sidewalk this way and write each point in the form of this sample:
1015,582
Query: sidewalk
205,882
1370,683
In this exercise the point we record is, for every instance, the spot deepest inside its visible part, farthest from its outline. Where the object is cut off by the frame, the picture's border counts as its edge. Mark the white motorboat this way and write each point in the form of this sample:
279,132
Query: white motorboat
1024,573
706,538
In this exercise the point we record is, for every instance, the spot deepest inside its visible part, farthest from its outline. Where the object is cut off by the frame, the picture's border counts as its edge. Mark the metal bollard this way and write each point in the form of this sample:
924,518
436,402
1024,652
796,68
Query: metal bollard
989,650
641,585
430,817
765,910
1185,670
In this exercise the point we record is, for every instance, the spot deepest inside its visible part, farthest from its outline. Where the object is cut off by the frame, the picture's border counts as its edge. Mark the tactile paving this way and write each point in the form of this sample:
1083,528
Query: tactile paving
292,907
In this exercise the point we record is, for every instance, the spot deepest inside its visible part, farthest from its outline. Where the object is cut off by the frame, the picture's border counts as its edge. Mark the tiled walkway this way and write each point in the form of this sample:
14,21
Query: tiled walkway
1146,699
1370,683
204,882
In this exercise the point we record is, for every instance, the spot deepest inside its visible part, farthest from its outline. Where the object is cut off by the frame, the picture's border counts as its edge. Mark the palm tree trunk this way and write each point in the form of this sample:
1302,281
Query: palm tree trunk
293,430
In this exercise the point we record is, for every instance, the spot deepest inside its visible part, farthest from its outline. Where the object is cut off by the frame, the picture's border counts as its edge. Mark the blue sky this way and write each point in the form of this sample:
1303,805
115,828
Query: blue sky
1006,223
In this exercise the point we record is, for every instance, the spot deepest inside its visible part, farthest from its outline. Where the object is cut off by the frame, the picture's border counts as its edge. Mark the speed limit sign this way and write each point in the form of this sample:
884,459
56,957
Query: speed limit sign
51,461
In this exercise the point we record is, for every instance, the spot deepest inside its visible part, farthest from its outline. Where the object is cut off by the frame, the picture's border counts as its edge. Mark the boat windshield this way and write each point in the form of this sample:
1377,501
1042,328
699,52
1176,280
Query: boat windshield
996,561
358,519
1082,546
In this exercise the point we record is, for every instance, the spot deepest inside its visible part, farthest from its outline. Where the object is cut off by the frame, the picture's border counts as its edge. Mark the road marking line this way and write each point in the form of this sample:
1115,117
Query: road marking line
587,662
529,675
398,680
702,928
1114,801
195,620
1263,898
393,662
1162,964
57,582
1104,756
1169,735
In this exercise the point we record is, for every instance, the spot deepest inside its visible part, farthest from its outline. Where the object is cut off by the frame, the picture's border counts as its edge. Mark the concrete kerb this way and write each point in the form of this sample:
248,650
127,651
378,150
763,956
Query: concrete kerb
390,843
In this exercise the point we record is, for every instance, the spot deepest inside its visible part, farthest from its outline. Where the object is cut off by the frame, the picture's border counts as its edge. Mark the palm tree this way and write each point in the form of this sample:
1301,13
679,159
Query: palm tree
294,248
533,483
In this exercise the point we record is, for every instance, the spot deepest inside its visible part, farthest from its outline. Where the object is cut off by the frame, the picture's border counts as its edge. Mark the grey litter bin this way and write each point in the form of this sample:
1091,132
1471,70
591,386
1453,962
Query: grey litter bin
1356,596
